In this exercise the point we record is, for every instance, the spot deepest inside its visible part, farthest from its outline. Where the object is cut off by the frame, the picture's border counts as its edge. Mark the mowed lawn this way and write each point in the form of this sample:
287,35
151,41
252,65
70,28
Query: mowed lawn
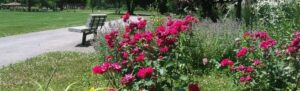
12,23
55,71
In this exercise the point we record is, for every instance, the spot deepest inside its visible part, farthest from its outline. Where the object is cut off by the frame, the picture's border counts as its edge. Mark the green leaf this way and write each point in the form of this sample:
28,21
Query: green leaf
69,86
149,83
184,77
162,71
169,64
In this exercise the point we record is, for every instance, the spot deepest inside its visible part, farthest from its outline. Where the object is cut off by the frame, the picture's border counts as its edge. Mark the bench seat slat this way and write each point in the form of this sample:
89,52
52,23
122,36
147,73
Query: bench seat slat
79,29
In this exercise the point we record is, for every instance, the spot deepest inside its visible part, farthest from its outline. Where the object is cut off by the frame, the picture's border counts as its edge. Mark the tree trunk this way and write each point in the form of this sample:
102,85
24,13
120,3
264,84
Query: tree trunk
207,6
239,10
118,6
162,6
29,5
130,6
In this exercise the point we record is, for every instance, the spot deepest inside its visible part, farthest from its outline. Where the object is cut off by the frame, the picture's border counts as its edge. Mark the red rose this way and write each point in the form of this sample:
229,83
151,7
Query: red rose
126,16
242,52
194,87
144,72
226,62
140,57
249,69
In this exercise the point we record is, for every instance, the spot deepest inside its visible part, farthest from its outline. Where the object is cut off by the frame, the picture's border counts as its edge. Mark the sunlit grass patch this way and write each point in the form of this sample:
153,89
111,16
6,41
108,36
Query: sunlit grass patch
62,68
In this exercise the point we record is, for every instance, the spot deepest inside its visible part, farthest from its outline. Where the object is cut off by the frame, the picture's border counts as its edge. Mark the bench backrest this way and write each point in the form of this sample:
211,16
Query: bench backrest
96,20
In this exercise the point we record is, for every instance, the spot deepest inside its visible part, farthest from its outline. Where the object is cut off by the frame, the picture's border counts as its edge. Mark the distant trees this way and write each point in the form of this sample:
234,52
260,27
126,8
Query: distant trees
29,4
239,9
208,8
162,6
3,1
117,4
130,4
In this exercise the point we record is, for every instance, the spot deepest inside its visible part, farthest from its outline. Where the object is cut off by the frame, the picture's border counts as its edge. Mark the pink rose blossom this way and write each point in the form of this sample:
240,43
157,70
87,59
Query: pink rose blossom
184,28
128,29
125,55
136,50
116,66
257,62
242,52
124,62
173,31
164,49
108,57
194,87
249,69
170,22
248,78
127,79
242,79
140,57
268,43
226,62
241,68
126,16
100,69
141,24
148,35
145,72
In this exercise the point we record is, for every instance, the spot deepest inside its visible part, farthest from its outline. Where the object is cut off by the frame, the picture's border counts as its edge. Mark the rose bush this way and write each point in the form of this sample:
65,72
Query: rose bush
142,59
262,64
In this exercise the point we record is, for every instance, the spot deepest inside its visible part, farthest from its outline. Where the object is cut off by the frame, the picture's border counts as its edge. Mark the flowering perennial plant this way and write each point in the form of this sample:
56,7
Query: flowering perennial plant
247,63
294,46
260,64
138,58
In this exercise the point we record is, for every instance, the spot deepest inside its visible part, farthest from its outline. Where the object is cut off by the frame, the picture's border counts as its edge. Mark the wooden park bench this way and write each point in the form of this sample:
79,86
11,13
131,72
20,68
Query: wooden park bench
94,21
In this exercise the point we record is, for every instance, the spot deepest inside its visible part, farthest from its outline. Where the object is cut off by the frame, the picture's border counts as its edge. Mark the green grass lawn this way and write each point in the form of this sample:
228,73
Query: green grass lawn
70,67
34,74
12,23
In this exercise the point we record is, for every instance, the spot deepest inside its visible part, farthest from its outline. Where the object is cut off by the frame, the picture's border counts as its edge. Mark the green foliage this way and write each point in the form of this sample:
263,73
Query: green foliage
34,73
279,18
168,56
272,67
212,40
19,21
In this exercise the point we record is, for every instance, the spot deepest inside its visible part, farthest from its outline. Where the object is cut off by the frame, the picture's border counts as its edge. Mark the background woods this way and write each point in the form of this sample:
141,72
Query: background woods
214,9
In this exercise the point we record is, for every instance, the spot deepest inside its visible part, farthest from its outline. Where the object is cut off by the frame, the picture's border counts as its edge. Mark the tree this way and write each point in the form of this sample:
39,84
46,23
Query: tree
118,6
162,6
29,5
130,4
207,8
60,4
239,9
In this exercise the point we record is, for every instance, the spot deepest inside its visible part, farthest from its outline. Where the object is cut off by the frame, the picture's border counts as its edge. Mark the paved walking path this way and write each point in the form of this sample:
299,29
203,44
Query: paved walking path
21,47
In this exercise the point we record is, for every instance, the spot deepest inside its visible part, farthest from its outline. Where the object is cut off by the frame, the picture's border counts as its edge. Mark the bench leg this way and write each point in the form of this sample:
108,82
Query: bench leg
95,36
84,39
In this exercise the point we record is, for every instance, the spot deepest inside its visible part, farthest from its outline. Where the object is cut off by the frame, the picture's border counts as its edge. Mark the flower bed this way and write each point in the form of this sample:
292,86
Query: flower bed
142,59
167,58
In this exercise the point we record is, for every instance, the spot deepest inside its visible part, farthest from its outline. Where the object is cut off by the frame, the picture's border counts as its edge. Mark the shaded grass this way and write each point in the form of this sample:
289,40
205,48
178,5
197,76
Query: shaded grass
12,23
216,81
69,67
